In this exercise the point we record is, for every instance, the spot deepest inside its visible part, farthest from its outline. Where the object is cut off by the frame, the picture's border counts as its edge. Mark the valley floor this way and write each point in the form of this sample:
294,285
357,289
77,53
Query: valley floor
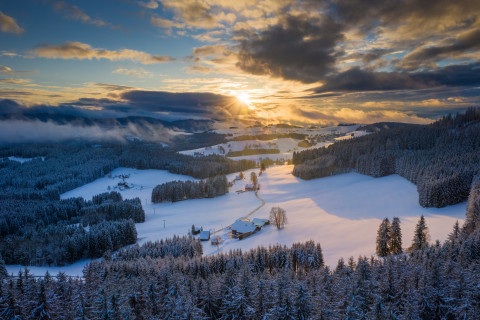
341,212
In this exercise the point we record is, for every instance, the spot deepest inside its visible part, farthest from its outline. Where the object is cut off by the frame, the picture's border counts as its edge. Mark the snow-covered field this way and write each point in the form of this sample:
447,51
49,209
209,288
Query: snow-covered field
350,135
286,145
22,160
341,212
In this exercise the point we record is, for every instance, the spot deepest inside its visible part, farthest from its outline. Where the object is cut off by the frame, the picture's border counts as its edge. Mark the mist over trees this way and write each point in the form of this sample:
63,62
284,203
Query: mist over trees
441,158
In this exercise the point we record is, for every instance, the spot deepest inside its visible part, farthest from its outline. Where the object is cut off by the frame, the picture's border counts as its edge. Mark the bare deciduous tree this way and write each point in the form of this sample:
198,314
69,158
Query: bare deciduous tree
278,217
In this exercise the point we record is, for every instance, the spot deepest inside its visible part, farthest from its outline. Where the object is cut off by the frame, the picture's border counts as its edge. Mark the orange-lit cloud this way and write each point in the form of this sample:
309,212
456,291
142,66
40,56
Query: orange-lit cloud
9,25
78,50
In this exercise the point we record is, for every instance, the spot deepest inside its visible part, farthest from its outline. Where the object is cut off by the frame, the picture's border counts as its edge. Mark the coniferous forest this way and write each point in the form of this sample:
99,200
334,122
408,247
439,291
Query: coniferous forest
37,228
441,159
171,280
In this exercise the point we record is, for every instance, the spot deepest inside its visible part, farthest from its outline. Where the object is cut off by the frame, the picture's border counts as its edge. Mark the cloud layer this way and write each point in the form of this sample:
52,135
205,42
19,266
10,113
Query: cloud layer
81,51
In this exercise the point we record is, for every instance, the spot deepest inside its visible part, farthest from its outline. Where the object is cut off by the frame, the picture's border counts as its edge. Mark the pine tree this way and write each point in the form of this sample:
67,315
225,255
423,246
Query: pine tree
395,244
455,234
383,238
3,269
420,236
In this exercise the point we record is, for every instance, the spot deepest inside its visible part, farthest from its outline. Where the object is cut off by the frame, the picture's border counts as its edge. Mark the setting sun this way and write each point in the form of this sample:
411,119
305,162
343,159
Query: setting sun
245,98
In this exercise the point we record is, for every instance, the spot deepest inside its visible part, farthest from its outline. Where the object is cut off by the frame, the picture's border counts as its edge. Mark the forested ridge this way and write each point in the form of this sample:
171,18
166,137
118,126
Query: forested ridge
37,228
441,159
171,280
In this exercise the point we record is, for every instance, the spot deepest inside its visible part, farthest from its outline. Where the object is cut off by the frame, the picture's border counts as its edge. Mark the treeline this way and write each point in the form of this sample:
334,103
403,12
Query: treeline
67,167
441,158
252,151
182,190
64,244
60,232
269,136
435,282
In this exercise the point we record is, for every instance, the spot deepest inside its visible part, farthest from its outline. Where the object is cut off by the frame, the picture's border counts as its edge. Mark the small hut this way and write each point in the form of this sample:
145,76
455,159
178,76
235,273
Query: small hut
204,235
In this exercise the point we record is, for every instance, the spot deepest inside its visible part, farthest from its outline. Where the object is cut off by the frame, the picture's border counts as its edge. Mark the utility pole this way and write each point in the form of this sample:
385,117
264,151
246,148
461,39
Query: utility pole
163,223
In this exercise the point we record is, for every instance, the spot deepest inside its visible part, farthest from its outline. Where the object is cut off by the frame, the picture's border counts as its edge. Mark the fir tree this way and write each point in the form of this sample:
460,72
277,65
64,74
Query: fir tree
420,236
395,244
383,238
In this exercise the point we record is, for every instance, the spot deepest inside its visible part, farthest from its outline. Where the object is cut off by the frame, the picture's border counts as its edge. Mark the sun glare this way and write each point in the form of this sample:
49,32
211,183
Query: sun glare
245,98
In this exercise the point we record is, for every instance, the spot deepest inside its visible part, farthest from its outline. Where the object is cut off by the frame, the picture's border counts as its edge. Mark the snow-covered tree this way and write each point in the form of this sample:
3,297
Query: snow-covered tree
395,243
420,235
383,238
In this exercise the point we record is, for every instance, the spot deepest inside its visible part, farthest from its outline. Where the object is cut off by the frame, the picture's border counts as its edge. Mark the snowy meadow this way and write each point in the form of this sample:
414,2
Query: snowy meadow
341,212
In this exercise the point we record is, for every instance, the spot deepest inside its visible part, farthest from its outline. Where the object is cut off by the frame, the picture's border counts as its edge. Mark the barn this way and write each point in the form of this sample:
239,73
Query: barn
243,228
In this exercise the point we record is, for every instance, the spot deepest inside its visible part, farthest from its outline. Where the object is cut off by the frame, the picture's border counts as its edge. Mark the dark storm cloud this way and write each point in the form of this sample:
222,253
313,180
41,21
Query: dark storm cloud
417,15
420,33
426,56
298,48
358,80
140,103
184,102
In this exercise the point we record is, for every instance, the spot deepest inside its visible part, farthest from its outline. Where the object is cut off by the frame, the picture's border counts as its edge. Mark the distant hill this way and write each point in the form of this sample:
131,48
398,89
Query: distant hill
188,125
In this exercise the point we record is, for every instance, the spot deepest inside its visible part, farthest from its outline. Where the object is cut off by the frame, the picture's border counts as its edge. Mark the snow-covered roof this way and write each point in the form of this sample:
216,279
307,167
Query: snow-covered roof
260,222
242,226
204,235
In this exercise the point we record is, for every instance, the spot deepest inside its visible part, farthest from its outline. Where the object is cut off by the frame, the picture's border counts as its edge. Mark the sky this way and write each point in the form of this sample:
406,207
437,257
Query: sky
311,62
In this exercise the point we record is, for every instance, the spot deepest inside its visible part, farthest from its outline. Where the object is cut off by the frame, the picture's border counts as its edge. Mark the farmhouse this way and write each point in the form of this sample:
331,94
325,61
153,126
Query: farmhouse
204,235
260,222
243,228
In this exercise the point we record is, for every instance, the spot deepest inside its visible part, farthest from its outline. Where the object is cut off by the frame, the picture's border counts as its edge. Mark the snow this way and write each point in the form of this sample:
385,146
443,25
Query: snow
141,183
286,146
350,135
243,226
340,212
204,235
260,222
75,269
23,160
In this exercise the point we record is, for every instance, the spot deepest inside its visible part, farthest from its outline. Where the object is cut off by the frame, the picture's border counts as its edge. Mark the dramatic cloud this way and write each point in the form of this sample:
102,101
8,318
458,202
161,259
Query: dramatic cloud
73,12
428,56
78,50
357,80
195,103
298,48
9,25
